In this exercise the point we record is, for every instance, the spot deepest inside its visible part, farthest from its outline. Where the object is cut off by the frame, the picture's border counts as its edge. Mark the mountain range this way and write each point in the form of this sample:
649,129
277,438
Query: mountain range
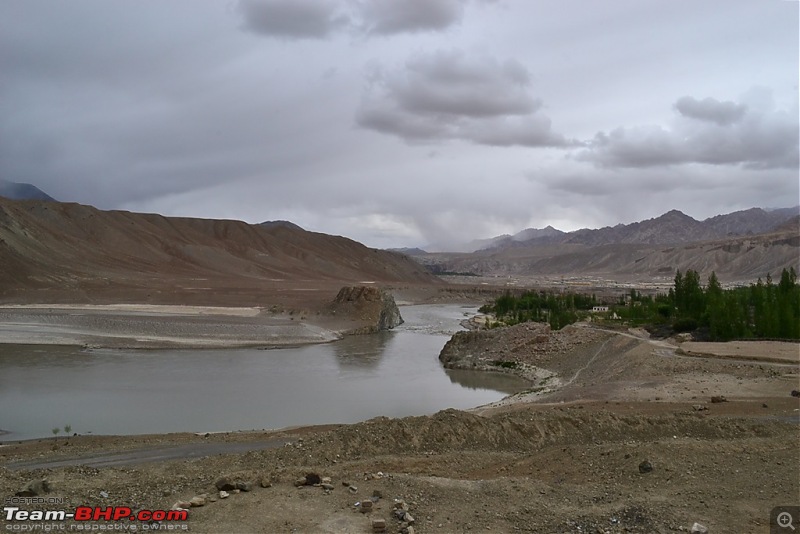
671,228
738,246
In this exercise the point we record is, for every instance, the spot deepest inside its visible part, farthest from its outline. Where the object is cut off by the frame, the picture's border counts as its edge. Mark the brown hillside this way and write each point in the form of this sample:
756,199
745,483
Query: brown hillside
55,252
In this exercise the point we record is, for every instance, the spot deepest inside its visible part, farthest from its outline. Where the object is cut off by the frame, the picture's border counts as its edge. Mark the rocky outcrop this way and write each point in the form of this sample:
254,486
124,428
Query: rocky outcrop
375,308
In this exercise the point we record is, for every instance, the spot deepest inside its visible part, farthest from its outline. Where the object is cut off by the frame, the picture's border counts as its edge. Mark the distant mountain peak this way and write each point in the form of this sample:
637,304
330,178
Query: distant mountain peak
21,191
280,224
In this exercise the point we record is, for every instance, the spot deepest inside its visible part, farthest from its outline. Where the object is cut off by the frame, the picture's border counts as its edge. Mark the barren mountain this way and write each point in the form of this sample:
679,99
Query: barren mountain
739,258
672,228
66,252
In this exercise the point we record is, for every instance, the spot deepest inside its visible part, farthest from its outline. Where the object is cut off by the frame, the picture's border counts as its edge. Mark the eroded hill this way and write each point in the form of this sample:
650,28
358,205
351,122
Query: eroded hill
56,252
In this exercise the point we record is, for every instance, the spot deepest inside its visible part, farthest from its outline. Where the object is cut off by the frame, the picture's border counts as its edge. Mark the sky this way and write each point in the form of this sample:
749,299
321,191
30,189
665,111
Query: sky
404,122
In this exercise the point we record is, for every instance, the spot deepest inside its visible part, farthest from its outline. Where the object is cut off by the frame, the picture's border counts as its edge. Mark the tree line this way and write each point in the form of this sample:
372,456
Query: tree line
765,309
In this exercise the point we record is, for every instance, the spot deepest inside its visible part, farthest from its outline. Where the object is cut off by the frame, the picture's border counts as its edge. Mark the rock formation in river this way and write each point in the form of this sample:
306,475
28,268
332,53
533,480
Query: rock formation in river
372,306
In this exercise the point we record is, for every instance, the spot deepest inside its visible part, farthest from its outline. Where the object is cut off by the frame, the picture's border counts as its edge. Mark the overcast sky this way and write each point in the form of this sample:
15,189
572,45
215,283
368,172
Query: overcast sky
404,122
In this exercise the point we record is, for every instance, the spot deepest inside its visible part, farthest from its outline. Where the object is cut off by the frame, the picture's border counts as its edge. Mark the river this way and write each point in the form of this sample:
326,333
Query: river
105,391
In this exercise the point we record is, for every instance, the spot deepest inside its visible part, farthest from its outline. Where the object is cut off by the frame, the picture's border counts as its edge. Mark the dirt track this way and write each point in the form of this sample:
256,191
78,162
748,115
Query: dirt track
568,462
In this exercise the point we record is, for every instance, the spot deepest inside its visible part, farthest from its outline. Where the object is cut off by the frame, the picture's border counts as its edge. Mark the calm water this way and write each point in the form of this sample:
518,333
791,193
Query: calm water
134,392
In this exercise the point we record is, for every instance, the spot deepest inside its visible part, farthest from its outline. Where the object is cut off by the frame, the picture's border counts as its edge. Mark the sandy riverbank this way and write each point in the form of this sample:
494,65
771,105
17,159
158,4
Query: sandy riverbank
138,326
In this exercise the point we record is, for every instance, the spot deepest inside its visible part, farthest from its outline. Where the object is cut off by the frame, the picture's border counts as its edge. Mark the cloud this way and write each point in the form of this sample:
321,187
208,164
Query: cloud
388,17
707,132
292,19
449,95
709,109
320,19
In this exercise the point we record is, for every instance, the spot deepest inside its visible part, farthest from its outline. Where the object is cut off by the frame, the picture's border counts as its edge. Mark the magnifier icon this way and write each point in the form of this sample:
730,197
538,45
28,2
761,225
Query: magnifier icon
785,520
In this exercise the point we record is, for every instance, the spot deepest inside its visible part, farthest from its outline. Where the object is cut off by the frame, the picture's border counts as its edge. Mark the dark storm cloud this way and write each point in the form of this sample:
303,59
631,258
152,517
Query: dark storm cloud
754,137
709,109
449,95
292,19
319,19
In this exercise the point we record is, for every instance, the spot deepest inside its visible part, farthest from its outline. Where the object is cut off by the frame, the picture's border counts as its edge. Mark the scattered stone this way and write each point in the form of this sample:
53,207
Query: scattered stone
327,487
378,525
197,501
244,486
312,478
34,488
697,528
795,393
699,407
409,530
353,489
399,513
716,399
182,505
400,504
224,494
345,483
366,506
377,494
326,480
764,405
300,482
104,494
224,484
409,519
645,467
265,482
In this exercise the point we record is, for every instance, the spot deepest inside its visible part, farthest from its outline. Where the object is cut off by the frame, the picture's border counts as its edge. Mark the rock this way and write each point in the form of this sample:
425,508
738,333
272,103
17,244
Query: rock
795,393
265,482
224,484
327,487
645,467
182,505
409,530
353,489
697,528
718,398
377,494
224,494
300,482
244,486
371,304
365,506
197,501
312,478
400,504
34,488
378,525
699,407
409,519
764,405
326,480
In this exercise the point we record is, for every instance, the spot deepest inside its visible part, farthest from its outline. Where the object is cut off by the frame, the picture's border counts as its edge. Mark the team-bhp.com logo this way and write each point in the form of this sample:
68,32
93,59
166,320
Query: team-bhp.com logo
87,518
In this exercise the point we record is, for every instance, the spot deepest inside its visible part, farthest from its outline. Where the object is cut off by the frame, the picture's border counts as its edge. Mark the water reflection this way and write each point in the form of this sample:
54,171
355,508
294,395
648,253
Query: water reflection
361,351
483,380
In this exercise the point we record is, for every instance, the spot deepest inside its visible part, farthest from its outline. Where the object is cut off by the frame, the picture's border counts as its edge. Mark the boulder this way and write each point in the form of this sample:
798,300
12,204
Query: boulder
645,467
34,488
224,484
